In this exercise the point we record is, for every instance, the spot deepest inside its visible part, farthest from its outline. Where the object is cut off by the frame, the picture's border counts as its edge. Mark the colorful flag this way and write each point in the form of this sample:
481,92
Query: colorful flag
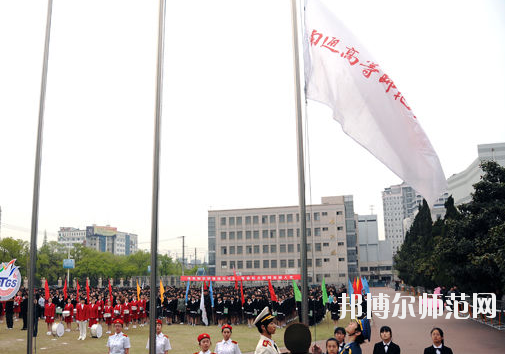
78,288
162,291
138,290
272,292
87,291
187,291
204,285
242,299
211,294
298,294
65,290
325,294
202,309
365,285
341,74
351,289
110,294
46,285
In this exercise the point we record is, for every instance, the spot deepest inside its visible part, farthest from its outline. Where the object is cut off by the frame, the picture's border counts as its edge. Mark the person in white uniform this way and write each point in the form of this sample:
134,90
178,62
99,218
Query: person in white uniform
227,346
162,341
118,343
266,326
204,343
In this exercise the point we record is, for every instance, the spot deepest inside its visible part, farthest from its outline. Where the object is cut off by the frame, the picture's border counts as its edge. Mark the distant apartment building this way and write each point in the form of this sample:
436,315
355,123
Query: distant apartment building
267,240
400,205
461,184
375,257
100,238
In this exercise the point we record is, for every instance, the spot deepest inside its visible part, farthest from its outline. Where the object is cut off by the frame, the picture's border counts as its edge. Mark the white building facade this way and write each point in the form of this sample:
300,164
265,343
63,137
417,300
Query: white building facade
267,241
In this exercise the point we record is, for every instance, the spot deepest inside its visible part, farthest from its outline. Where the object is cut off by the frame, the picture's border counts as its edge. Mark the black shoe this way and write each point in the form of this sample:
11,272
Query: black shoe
24,329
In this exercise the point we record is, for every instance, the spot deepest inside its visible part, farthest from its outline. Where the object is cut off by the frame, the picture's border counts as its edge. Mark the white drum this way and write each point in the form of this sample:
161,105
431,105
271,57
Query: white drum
106,315
66,313
75,311
96,330
57,329
134,308
126,312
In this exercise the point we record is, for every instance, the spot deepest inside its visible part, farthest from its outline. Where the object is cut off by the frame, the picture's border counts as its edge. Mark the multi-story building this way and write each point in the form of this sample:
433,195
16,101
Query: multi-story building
375,257
267,240
400,205
100,238
461,184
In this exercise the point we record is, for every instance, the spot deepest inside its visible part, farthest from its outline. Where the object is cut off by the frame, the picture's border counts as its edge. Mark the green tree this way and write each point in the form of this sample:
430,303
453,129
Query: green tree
15,249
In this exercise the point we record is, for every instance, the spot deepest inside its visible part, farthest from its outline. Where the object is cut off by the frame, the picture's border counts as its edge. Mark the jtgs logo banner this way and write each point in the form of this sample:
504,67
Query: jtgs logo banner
10,280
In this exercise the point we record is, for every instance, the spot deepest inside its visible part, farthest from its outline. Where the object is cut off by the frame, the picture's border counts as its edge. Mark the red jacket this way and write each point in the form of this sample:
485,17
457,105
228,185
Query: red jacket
49,310
93,311
82,312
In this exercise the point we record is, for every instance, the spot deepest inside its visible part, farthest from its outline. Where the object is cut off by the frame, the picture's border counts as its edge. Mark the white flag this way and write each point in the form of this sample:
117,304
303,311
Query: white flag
202,308
341,74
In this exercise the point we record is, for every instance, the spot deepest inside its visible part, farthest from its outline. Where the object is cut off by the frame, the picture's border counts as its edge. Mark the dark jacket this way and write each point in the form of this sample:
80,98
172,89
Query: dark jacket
393,348
431,350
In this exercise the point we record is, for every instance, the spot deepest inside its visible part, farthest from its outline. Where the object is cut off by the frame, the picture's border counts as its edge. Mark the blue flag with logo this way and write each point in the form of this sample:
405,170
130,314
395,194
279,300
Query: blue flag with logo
187,291
211,295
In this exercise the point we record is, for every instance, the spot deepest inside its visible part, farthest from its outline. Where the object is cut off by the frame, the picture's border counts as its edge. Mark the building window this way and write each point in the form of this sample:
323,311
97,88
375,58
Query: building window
264,219
317,247
232,264
265,233
282,218
324,213
272,219
297,232
341,275
341,259
248,235
309,247
266,263
290,233
272,233
231,235
223,250
291,248
326,244
223,265
283,263
325,229
364,269
273,249
240,264
339,213
239,249
309,232
255,219
317,231
340,244
256,264
232,249
248,220
256,234
291,263
231,220
319,278
340,227
297,247
265,248
273,263
319,262
307,216
290,217
223,221
317,217
248,264
239,235
239,220
256,249
282,249
223,235
282,233
326,260
248,249
309,262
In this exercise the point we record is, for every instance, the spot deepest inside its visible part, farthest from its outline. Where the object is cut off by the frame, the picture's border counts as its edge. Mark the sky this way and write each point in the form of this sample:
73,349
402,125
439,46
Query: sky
228,121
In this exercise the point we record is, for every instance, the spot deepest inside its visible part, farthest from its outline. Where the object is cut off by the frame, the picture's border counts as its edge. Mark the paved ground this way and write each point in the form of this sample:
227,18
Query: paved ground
413,334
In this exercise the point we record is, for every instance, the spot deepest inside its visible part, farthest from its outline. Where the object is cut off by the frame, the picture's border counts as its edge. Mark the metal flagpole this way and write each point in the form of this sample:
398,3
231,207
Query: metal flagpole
36,184
299,98
156,174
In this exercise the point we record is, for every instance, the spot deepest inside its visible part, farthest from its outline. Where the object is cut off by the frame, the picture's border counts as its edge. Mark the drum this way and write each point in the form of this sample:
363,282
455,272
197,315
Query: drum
59,310
57,329
75,311
126,312
106,315
66,313
117,312
134,308
96,331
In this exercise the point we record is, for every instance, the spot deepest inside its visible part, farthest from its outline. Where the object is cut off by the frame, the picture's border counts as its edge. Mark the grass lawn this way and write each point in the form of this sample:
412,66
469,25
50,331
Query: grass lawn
182,338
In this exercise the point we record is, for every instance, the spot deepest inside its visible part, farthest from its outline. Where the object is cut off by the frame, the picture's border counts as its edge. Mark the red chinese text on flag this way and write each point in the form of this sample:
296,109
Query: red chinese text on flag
340,73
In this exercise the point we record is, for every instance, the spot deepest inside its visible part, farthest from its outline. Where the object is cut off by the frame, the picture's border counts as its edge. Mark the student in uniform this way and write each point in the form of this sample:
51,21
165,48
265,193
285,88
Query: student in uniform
227,346
266,326
118,343
386,346
68,319
204,343
339,335
357,331
162,341
438,347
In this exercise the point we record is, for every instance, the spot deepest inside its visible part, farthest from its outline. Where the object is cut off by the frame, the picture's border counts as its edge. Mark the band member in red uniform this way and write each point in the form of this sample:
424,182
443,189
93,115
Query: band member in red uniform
126,313
68,319
49,313
107,315
93,313
100,305
82,317
134,312
142,310
118,310
17,305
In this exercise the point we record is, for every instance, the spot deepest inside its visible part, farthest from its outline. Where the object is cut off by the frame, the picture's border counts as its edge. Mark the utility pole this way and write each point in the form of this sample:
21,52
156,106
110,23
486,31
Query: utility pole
195,258
182,253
